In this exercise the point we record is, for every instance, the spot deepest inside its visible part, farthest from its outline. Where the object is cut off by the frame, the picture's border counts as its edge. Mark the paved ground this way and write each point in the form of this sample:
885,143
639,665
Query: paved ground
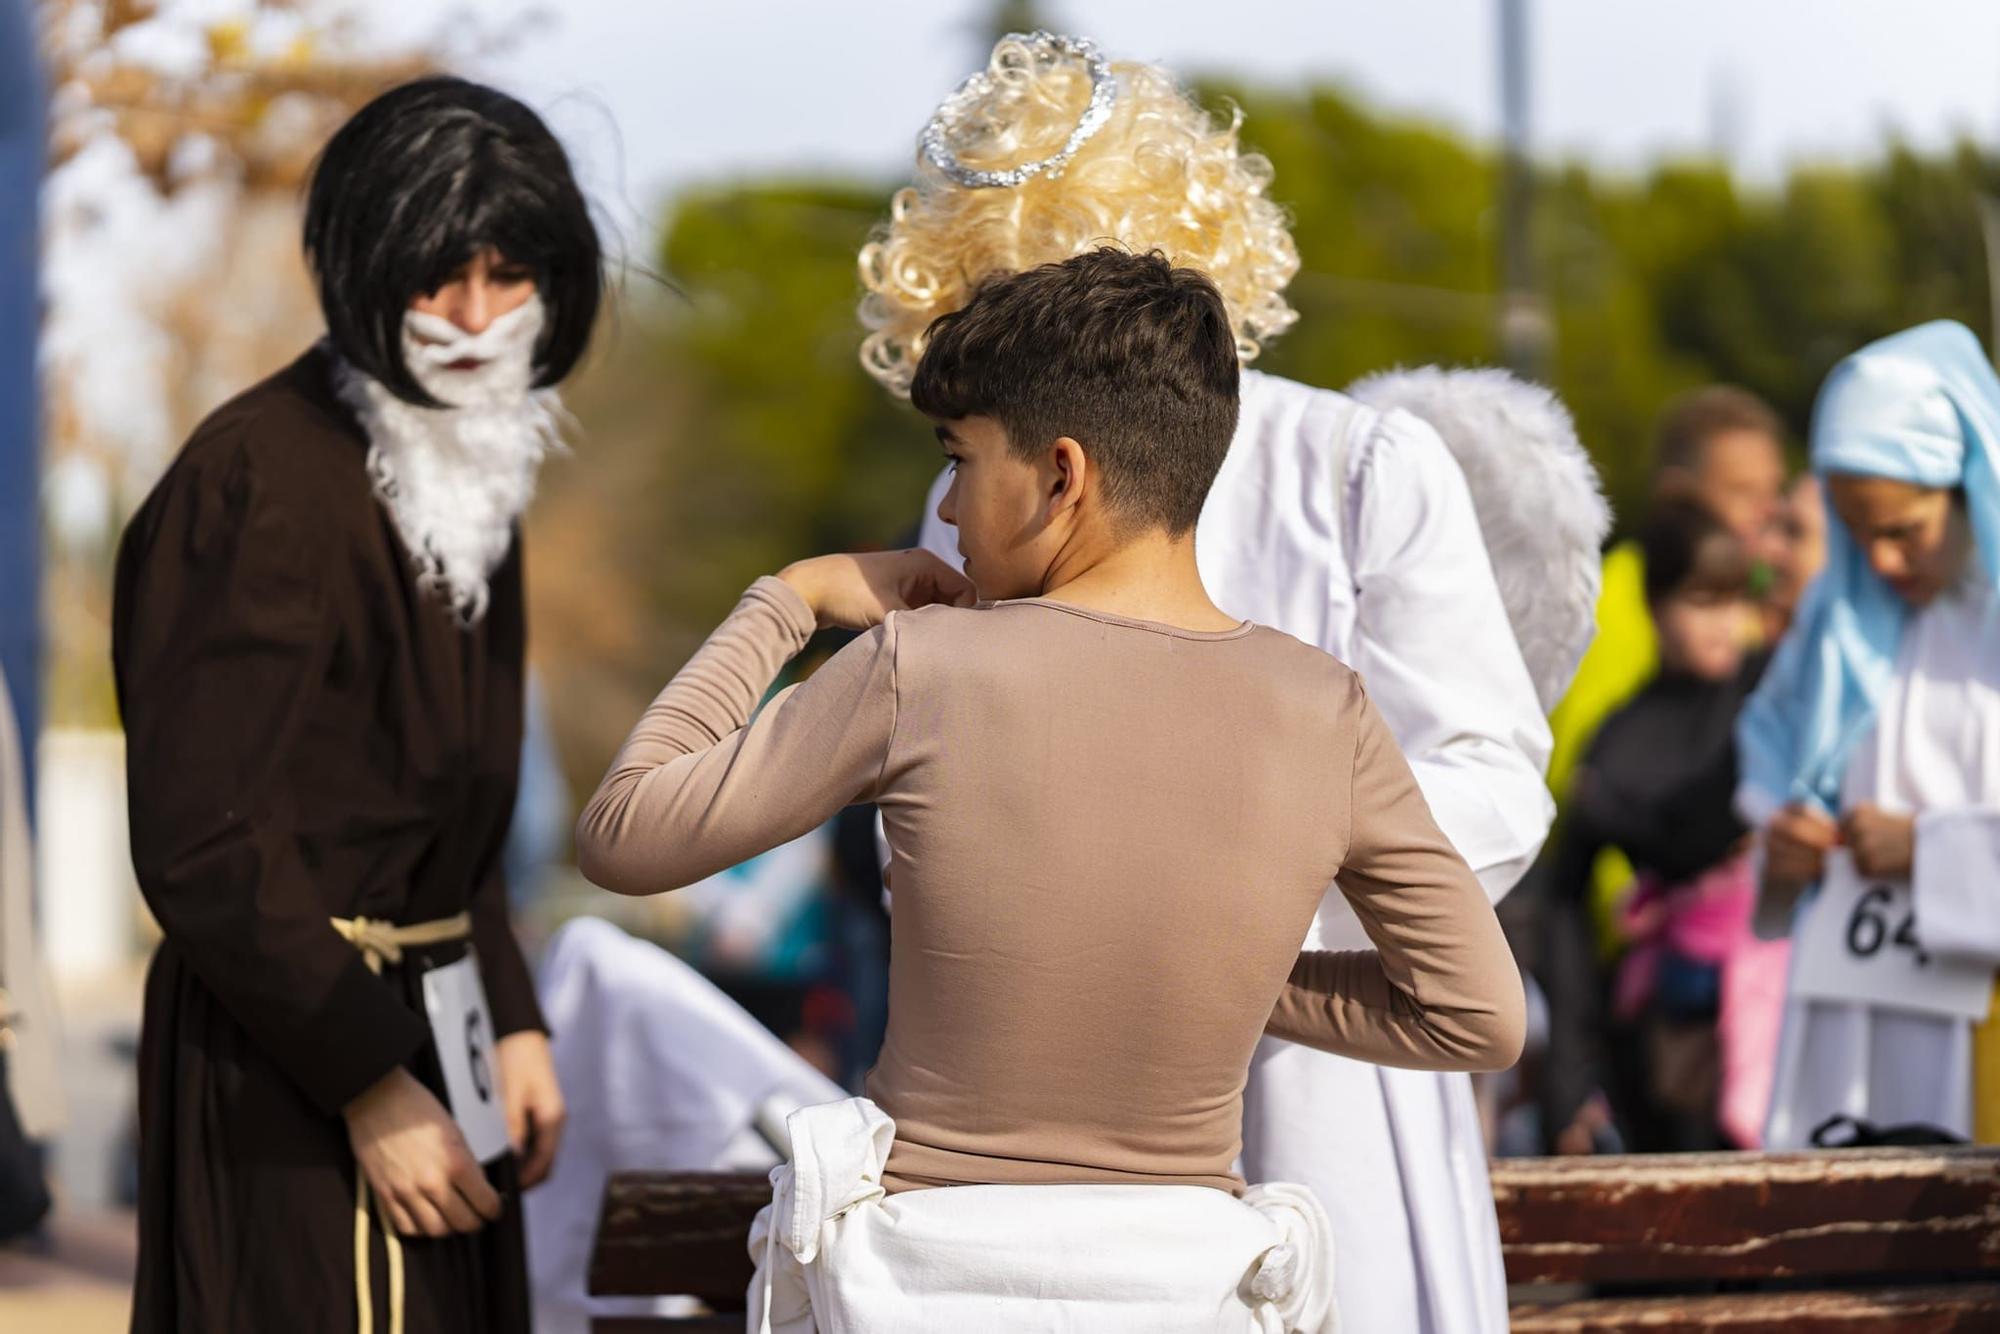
100,1043
75,1279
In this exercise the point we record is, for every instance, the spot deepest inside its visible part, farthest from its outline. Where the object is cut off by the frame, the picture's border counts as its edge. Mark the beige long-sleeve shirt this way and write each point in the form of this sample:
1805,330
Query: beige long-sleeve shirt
1108,839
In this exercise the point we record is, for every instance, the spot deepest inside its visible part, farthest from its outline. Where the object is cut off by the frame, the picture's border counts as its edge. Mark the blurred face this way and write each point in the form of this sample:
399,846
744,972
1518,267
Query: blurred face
1740,480
1914,537
1007,509
1702,634
487,287
1802,541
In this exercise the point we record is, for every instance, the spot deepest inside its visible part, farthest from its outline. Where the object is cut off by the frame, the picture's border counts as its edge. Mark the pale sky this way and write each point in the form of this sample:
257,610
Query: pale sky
652,94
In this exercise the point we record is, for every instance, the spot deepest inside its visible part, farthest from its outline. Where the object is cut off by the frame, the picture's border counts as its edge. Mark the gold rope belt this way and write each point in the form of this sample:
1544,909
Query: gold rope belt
383,943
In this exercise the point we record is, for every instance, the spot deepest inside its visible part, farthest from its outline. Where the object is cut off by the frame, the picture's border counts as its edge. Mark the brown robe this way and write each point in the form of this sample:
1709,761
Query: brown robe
310,735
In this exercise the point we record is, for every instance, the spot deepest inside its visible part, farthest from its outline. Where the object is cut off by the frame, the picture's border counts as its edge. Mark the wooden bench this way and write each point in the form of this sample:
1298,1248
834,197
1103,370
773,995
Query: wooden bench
1840,1240
1848,1241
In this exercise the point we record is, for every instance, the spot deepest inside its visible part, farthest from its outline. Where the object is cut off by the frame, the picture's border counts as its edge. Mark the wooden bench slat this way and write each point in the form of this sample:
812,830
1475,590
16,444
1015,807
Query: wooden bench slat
1676,1217
672,1233
1962,1309
1908,1214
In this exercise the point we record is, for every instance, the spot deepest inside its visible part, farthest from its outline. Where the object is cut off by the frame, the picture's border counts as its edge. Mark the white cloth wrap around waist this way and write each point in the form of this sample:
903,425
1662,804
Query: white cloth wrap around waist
835,1253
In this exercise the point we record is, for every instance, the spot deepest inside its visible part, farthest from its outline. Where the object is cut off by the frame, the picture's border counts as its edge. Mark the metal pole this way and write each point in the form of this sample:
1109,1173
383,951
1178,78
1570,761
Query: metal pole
1989,232
1525,335
22,147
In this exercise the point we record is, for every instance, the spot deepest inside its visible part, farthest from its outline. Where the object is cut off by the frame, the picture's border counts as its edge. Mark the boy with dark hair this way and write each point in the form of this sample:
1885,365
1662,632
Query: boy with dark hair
1112,811
318,633
1141,365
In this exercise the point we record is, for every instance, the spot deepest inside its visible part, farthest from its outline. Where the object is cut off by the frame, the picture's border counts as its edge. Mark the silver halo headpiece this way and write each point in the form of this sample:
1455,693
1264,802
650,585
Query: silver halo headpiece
1103,90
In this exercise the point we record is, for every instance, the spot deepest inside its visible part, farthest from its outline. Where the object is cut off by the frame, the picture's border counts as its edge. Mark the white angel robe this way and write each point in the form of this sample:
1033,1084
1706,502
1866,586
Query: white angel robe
1354,531
662,1073
1934,752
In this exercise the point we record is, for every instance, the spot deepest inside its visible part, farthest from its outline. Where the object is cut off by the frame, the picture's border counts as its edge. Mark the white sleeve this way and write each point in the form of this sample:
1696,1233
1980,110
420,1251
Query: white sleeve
1955,882
1433,643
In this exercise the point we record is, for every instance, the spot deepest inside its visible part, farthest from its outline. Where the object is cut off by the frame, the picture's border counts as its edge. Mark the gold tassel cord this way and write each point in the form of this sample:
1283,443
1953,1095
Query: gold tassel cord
382,943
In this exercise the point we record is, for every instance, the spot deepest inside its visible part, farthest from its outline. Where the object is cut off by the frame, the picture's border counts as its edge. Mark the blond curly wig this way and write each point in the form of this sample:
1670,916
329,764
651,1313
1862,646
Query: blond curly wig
1161,174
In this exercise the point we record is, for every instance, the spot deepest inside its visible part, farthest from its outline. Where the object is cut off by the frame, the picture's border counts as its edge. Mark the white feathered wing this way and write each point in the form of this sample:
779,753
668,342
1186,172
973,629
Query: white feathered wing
1541,509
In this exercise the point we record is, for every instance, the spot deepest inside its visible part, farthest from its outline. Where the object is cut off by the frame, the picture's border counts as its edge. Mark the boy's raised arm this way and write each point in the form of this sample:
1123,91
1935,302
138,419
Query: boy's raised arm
699,786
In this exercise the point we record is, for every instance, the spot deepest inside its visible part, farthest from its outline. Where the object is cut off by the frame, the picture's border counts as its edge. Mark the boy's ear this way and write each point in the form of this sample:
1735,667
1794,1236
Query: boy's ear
1068,467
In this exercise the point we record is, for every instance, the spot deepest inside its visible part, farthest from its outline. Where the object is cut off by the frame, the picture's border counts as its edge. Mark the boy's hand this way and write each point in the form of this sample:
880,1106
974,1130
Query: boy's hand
857,592
1884,842
1795,845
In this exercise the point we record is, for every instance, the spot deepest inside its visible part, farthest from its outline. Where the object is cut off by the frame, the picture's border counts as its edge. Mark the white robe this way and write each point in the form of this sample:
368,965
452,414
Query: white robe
1384,567
662,1073
834,1254
1934,752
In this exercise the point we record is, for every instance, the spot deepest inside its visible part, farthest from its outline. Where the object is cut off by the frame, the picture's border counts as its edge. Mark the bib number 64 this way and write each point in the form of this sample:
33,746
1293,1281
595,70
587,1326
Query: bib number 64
1868,926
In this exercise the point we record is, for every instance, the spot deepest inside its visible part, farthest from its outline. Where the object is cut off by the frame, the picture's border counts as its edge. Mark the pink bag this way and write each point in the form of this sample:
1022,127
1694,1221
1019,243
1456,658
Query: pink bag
1708,918
1753,1010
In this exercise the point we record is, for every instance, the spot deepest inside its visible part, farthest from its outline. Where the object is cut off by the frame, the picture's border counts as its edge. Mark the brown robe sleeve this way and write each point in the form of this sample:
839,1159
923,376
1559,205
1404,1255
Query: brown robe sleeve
221,642
699,787
1440,990
510,984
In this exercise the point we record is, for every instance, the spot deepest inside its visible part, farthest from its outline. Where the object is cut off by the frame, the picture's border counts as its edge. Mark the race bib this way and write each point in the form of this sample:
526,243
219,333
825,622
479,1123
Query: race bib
463,1032
1860,943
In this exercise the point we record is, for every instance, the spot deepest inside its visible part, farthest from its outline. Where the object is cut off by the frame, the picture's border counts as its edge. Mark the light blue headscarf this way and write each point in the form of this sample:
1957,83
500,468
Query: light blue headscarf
1921,406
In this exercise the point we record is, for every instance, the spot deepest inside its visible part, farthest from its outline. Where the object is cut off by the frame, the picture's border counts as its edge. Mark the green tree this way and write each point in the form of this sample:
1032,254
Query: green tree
766,440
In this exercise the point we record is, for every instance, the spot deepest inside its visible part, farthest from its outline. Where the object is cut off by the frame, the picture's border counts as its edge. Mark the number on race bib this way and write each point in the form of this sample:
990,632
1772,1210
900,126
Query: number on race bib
475,1055
1858,943
1868,926
1907,939
1865,925
462,1032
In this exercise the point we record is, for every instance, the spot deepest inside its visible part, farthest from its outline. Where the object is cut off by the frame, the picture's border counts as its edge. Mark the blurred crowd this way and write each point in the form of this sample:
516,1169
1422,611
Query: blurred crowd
1662,1007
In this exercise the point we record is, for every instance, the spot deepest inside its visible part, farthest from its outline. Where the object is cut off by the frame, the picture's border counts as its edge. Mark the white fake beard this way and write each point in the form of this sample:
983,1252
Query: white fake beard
456,478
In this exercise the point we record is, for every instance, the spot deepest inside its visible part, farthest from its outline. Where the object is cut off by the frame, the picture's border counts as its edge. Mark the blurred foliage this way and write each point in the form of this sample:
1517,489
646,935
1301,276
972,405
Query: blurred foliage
1653,283
730,428
260,106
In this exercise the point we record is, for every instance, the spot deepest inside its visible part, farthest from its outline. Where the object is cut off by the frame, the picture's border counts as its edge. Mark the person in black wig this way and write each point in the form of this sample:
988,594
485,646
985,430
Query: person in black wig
318,641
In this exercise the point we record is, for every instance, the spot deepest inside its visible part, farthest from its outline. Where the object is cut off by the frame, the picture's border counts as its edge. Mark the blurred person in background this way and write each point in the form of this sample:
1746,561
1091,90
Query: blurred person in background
31,1095
1346,525
31,1104
318,635
1658,782
1871,759
1801,553
1721,448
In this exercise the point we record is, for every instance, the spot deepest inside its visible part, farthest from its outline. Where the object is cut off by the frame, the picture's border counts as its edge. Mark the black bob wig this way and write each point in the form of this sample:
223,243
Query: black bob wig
418,182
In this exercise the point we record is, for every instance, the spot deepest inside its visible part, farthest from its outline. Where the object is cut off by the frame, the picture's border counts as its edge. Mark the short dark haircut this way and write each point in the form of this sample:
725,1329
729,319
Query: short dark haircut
1125,354
1688,552
414,185
1698,416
